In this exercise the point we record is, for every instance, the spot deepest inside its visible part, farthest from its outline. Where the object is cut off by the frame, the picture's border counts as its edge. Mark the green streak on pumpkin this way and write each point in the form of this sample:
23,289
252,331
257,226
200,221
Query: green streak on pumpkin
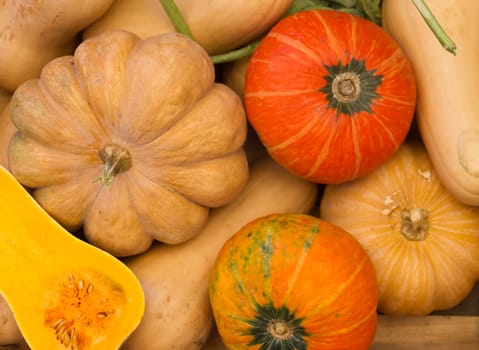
233,268
351,88
314,231
267,248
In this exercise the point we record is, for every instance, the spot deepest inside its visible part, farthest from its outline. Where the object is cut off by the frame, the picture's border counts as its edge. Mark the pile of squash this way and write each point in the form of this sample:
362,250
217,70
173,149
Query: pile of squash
175,177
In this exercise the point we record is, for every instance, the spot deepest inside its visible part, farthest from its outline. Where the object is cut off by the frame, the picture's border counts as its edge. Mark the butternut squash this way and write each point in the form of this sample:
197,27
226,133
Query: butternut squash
447,105
34,32
7,129
233,74
9,331
64,293
217,25
175,278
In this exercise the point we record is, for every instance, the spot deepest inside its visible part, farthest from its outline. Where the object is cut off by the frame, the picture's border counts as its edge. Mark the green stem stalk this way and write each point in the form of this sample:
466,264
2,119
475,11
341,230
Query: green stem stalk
235,54
176,17
434,25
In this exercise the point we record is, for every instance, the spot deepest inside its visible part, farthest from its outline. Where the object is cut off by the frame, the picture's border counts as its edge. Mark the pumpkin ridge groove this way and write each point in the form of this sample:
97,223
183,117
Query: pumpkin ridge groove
305,130
79,129
387,131
331,38
325,149
296,45
333,297
357,148
300,263
85,97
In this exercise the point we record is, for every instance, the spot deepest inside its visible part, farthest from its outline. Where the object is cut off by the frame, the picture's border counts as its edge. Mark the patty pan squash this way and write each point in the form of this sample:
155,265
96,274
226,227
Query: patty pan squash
130,139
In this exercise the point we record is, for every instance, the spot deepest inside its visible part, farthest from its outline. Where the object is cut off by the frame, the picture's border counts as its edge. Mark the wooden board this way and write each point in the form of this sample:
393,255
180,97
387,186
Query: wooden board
436,332
453,329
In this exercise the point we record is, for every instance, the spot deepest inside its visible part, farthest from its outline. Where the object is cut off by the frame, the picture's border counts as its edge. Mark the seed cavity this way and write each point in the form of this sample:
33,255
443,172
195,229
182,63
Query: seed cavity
80,307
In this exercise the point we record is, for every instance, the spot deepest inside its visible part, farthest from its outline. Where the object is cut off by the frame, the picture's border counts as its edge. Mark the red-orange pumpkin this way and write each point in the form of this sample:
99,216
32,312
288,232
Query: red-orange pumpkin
331,95
291,282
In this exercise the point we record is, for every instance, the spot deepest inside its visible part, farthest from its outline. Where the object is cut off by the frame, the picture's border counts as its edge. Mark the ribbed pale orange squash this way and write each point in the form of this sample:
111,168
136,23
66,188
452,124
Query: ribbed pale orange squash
423,243
64,292
292,281
131,139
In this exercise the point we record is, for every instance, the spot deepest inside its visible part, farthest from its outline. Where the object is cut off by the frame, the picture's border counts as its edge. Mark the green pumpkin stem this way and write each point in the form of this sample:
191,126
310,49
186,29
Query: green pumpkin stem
115,160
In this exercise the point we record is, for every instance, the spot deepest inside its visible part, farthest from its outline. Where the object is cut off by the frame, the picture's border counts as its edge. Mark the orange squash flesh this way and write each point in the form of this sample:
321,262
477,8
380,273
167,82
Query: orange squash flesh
64,293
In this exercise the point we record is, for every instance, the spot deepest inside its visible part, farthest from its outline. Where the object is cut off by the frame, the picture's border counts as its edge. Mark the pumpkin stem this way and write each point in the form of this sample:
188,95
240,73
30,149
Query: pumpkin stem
445,41
280,329
176,17
115,160
415,224
346,87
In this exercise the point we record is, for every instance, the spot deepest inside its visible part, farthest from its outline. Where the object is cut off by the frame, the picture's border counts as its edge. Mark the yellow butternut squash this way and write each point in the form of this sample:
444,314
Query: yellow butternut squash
64,293
447,105
217,25
34,32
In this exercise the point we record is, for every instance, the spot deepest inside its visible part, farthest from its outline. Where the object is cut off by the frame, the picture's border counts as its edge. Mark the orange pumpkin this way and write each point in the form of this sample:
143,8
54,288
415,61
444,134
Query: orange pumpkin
331,95
423,243
293,281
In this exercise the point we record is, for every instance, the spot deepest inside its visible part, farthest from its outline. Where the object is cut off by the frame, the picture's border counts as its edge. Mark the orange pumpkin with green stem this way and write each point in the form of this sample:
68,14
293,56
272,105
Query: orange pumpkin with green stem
331,95
293,281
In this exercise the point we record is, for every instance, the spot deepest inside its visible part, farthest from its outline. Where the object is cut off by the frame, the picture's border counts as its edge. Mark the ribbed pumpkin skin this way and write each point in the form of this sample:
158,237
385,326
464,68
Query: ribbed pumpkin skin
154,101
437,266
289,100
296,265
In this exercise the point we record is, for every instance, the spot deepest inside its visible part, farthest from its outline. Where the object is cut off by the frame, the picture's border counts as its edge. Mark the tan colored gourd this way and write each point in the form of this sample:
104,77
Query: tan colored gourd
9,331
424,244
63,292
7,129
33,32
218,25
131,140
447,105
233,74
175,279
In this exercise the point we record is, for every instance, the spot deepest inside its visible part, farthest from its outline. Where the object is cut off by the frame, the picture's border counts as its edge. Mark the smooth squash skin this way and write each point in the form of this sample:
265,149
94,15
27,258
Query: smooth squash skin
447,104
64,293
217,25
9,331
175,279
34,32
7,129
